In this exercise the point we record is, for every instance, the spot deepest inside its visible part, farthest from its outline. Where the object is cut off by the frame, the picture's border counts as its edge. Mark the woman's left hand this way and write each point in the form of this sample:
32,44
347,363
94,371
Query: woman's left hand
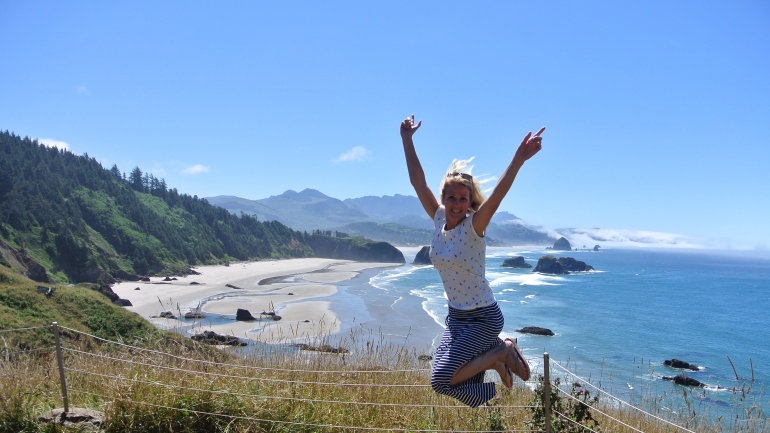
530,145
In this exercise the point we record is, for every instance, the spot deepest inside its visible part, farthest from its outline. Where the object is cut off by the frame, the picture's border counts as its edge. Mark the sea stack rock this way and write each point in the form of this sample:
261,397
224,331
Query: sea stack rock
423,257
572,265
678,363
596,247
562,244
243,315
536,330
549,264
685,381
515,262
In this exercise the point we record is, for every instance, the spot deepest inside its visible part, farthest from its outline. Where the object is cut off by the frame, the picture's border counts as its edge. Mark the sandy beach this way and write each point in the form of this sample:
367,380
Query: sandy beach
294,289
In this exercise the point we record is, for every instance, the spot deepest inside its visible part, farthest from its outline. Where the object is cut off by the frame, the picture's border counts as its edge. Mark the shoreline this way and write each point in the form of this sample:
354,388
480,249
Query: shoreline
296,289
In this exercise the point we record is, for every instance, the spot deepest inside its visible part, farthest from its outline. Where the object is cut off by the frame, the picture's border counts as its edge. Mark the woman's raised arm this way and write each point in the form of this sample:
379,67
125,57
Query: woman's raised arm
527,149
416,174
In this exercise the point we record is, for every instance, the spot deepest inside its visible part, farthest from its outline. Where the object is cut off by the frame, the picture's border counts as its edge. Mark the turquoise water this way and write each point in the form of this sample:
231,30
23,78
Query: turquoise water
616,325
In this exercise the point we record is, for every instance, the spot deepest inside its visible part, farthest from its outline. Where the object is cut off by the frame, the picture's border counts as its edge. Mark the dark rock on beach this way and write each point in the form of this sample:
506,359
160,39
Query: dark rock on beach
549,264
123,303
325,348
271,315
122,275
244,315
685,381
211,337
536,330
423,257
106,290
562,244
678,363
515,262
233,287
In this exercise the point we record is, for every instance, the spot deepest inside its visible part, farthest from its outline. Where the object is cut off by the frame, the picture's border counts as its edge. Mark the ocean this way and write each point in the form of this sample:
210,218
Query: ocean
615,325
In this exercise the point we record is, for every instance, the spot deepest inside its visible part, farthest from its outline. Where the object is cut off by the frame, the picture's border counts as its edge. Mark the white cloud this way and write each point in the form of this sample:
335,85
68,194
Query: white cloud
355,154
620,238
196,169
81,89
50,142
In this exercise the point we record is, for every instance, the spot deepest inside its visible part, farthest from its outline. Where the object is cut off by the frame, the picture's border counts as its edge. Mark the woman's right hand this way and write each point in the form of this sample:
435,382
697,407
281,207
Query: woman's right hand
408,128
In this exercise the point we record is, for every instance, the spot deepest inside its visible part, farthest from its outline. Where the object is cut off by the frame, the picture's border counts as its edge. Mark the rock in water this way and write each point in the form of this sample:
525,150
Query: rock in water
423,257
549,264
685,381
244,315
572,265
678,363
562,244
536,330
515,262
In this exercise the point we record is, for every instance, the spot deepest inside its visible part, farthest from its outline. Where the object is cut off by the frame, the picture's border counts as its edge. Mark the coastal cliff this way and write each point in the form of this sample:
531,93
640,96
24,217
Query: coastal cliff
354,248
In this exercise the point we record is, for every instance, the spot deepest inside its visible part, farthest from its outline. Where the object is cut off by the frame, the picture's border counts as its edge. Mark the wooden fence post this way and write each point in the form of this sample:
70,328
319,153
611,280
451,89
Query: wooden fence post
547,392
61,368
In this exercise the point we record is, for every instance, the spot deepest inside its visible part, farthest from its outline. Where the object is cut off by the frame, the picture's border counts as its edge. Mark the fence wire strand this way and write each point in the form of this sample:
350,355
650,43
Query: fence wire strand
272,397
561,415
2,331
261,379
619,400
241,366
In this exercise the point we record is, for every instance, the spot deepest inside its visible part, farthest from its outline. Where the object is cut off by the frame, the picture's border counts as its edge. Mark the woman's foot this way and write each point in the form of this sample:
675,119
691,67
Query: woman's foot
505,374
515,360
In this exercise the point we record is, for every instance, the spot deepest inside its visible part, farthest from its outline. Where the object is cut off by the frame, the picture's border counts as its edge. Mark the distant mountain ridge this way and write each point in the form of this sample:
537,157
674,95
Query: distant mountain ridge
398,219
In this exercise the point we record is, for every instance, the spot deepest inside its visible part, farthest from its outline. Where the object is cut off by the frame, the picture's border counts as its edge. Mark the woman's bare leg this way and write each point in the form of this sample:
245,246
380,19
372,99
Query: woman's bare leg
496,359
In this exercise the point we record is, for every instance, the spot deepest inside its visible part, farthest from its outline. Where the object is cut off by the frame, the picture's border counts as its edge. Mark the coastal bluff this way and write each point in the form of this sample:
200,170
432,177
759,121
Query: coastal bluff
355,248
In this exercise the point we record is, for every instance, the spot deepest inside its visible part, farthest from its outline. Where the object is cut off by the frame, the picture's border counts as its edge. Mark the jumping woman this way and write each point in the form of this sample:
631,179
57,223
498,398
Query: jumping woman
471,343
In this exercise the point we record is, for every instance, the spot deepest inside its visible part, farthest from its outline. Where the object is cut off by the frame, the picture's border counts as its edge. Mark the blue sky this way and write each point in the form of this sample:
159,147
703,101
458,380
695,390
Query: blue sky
657,112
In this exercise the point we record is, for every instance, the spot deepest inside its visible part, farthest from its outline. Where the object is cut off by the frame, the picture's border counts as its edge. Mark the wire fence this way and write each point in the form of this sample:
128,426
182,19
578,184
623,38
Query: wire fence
292,396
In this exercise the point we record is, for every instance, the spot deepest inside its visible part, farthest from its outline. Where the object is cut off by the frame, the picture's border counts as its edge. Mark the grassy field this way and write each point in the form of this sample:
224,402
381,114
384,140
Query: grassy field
144,380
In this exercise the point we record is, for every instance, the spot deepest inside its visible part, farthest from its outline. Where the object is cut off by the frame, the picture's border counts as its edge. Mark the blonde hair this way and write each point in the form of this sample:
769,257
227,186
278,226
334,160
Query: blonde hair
460,173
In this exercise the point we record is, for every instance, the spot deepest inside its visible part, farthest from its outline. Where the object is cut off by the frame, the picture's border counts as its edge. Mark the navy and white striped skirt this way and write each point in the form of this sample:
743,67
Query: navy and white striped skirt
468,334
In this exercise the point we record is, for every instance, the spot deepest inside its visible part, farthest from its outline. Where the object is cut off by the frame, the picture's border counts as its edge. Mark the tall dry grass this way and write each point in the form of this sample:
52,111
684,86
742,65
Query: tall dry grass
165,386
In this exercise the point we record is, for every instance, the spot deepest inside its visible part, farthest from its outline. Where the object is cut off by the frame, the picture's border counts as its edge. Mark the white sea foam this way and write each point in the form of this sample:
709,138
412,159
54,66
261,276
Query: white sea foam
526,280
385,279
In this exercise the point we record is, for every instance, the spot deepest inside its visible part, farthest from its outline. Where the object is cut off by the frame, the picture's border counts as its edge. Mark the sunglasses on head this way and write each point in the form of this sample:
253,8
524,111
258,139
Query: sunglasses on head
465,176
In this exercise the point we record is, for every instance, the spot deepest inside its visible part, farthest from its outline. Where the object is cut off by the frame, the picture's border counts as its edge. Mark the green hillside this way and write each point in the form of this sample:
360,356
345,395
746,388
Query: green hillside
64,217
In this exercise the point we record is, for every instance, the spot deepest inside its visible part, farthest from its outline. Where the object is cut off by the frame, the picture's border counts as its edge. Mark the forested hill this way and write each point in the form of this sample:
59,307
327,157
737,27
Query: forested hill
64,217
